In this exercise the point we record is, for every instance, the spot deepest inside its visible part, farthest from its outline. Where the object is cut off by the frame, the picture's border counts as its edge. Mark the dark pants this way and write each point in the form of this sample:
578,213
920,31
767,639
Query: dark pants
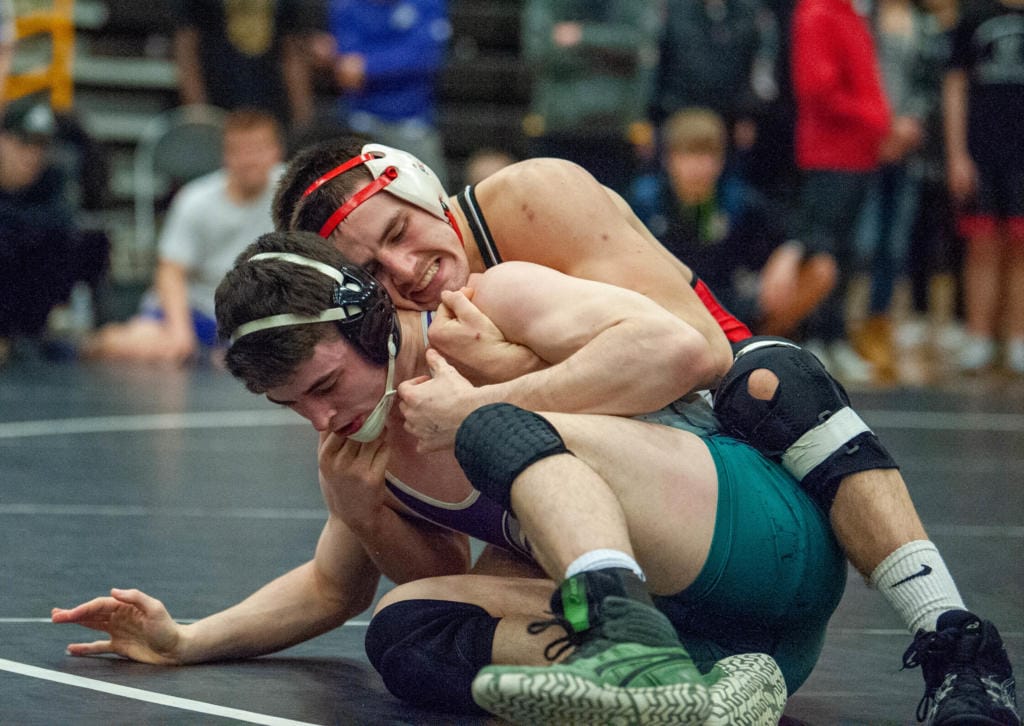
829,204
37,273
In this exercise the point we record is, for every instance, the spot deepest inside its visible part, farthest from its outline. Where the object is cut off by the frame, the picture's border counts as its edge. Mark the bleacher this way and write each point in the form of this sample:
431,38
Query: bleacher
124,77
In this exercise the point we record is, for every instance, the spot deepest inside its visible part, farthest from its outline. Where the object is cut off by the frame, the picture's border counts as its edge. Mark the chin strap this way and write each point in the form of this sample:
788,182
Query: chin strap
455,225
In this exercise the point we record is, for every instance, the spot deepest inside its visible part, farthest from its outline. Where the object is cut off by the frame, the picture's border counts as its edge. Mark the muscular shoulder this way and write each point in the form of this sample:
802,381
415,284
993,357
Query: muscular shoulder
527,179
552,212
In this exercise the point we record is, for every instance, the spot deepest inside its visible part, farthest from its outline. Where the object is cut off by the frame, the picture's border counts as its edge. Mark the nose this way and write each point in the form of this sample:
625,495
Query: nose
317,413
399,266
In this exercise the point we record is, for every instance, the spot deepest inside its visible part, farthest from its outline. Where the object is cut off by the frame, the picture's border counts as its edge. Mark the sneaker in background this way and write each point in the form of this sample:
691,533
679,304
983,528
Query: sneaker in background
976,354
817,348
847,366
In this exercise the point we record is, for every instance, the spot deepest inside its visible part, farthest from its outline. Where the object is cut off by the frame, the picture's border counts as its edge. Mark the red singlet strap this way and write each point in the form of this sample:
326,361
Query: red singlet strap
734,330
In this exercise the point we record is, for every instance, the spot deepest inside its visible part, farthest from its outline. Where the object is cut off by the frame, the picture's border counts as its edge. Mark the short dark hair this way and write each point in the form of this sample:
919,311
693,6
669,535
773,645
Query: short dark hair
292,211
269,358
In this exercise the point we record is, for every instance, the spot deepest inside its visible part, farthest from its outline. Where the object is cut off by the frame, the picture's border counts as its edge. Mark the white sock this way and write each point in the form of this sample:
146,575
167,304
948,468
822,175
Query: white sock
603,559
917,584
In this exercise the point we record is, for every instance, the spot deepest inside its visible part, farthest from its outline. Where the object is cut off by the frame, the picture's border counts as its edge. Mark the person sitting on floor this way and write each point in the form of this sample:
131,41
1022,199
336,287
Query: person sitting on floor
211,219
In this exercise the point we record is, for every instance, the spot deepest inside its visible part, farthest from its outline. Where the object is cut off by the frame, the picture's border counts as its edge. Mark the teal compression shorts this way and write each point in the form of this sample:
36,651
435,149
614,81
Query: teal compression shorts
773,576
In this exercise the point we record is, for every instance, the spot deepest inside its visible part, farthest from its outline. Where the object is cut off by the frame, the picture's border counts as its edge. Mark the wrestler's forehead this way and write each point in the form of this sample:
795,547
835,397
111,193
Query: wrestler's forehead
363,232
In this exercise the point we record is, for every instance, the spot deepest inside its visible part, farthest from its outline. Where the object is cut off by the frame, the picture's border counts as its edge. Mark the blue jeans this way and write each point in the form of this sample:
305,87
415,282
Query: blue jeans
883,230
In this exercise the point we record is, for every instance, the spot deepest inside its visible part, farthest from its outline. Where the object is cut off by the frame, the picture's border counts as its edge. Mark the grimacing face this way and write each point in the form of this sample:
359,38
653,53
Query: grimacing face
335,390
414,254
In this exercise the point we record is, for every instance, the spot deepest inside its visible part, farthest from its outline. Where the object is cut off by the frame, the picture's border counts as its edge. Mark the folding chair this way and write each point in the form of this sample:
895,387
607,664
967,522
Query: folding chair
176,147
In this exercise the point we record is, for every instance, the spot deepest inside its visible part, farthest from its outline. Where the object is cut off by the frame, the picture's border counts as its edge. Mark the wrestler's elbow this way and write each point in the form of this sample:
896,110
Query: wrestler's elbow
720,359
697,360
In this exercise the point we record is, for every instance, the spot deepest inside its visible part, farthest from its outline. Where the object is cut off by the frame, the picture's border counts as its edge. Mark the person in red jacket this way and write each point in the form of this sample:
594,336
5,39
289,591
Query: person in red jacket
842,117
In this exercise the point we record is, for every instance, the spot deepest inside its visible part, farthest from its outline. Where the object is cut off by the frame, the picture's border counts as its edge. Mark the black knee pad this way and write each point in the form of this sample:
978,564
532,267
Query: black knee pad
429,651
807,398
497,442
806,395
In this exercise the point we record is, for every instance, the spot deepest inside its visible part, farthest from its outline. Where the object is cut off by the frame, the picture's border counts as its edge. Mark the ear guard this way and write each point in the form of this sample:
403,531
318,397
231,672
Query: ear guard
361,308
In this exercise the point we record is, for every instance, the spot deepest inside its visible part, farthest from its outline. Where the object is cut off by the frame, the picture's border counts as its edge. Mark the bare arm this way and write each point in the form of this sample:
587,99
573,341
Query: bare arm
401,547
553,213
191,86
296,69
961,171
313,598
339,583
608,350
171,284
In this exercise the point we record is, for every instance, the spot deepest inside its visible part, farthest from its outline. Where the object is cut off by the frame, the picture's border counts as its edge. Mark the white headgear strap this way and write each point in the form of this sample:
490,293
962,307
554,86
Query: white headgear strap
278,321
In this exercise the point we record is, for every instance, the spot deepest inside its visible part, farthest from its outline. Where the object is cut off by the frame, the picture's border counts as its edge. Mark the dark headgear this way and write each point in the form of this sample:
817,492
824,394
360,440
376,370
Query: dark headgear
361,308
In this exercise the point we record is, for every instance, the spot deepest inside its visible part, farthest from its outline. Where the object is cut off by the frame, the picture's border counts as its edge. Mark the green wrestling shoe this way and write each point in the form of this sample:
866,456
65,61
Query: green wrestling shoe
749,691
628,667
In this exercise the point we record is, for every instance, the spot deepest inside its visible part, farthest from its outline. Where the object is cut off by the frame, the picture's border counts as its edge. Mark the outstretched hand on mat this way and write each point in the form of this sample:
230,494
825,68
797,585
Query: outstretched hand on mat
139,626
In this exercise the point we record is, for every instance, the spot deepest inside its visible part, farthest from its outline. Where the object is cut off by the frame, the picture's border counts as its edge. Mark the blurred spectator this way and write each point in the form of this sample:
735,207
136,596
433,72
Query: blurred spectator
6,46
211,220
709,51
891,204
386,57
935,255
591,66
727,231
246,54
983,103
771,164
842,117
484,162
42,251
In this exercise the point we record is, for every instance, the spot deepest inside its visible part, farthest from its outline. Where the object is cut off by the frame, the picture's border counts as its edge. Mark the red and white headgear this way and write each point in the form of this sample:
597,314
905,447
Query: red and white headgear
396,171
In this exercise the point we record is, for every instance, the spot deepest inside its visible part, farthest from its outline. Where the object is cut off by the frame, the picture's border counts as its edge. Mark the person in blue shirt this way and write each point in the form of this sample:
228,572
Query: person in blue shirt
385,57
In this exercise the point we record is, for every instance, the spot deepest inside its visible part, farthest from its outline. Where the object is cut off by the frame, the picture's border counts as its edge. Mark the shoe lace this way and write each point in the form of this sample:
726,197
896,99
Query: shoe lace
554,650
942,656
931,651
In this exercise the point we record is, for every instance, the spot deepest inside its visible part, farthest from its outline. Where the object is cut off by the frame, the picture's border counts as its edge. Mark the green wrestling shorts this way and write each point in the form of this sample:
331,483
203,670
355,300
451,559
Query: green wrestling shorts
774,574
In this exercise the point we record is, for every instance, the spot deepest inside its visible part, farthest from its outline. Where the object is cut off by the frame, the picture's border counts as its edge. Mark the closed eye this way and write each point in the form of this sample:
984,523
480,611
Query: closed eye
325,388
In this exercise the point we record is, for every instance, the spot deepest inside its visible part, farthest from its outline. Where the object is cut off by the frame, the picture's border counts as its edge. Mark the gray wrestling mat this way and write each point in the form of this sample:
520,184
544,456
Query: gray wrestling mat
184,485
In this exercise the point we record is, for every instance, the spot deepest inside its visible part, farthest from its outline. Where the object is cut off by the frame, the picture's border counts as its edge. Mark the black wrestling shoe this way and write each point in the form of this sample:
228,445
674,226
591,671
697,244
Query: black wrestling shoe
967,674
